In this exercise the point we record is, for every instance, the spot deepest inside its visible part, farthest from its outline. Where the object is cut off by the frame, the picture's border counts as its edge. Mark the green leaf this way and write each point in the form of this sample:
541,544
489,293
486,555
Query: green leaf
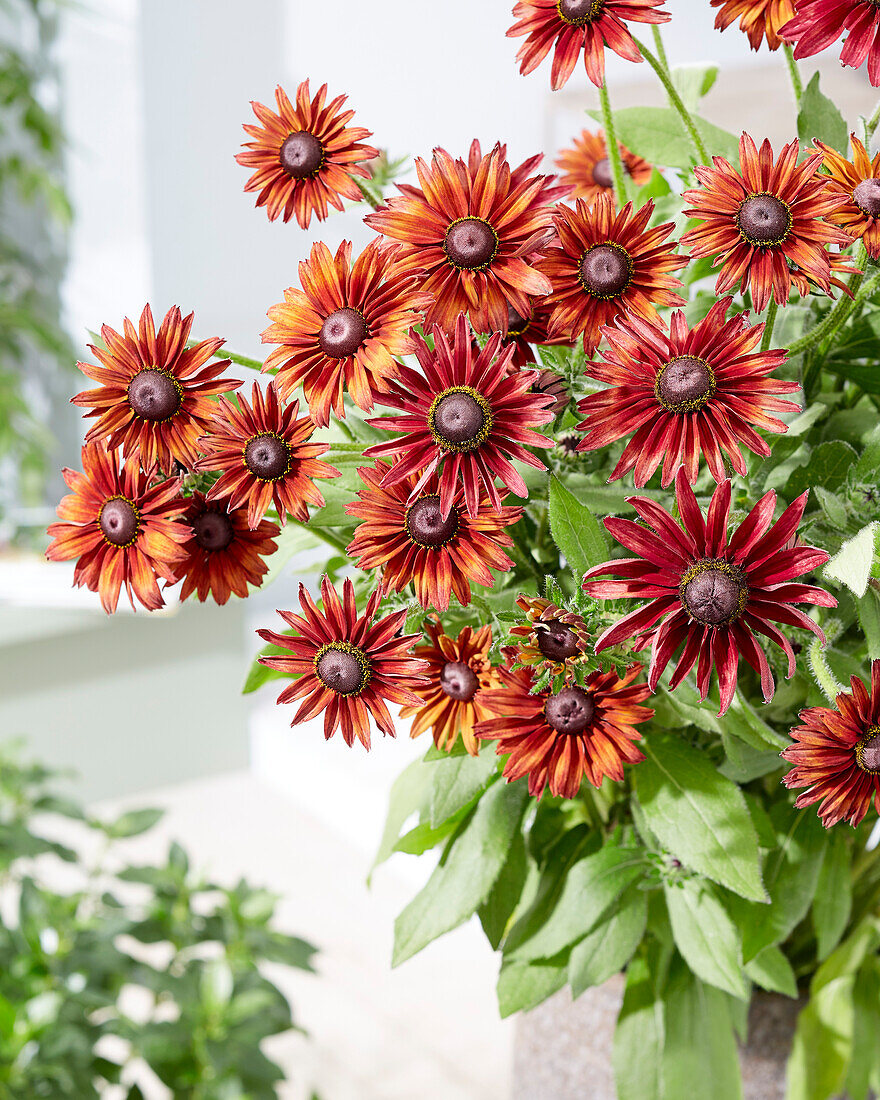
575,530
851,565
819,118
606,950
458,780
865,1056
819,1056
496,911
694,81
410,792
828,466
699,815
659,135
470,867
422,837
771,970
522,986
869,617
639,1037
216,984
833,901
705,936
133,823
591,887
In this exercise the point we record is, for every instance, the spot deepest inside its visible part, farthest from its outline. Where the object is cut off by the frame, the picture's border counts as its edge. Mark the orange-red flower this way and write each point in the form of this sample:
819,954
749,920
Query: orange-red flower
224,555
606,263
575,25
154,393
818,23
345,664
759,19
121,526
685,394
304,155
263,455
471,232
858,181
712,594
459,673
468,412
836,754
554,639
758,220
558,738
587,169
413,542
344,329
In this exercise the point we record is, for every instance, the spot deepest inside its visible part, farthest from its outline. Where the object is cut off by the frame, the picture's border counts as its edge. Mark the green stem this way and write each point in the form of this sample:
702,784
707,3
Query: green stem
367,196
612,145
872,123
659,47
822,673
676,101
242,360
769,324
832,323
794,72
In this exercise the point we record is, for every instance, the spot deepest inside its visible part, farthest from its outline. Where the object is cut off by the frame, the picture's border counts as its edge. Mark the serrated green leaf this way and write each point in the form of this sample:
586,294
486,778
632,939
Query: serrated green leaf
705,935
833,901
575,530
818,117
639,1037
608,948
458,780
851,565
828,465
659,135
522,986
497,910
771,970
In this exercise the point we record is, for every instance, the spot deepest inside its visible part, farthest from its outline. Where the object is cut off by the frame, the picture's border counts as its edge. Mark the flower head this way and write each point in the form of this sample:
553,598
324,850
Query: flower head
153,396
304,155
758,19
554,639
559,738
121,526
575,25
413,542
691,392
466,411
711,593
345,664
818,23
459,673
471,232
587,169
523,332
858,181
344,330
263,455
758,220
224,555
604,264
836,754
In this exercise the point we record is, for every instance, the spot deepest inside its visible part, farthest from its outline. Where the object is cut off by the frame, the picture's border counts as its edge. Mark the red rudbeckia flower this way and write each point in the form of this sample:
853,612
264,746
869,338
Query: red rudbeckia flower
836,754
559,738
575,25
691,392
553,639
345,664
709,592
587,169
758,220
224,555
305,155
154,392
343,330
471,233
122,527
459,673
263,455
818,23
524,333
606,263
858,181
411,541
758,19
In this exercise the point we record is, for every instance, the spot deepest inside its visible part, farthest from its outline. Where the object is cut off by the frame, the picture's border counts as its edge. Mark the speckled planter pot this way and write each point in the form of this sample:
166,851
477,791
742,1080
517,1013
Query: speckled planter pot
563,1048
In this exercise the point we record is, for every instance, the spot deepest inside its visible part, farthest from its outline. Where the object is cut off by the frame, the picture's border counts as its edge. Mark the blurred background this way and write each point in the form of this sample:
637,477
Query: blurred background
119,121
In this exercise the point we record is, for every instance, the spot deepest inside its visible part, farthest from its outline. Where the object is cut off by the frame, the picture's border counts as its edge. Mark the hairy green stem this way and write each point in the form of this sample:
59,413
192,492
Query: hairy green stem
675,99
822,673
769,324
659,47
368,198
612,145
224,353
797,84
844,306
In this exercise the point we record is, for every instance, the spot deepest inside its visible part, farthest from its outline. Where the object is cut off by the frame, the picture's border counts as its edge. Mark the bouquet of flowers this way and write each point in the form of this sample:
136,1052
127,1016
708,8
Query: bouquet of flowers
595,459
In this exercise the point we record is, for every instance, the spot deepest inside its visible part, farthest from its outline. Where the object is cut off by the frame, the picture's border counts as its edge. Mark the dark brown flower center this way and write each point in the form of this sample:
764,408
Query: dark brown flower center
570,710
425,525
460,419
515,323
342,333
119,521
557,640
301,155
579,12
763,220
470,243
342,667
685,384
458,681
267,456
154,395
713,593
213,530
605,270
868,750
602,173
867,197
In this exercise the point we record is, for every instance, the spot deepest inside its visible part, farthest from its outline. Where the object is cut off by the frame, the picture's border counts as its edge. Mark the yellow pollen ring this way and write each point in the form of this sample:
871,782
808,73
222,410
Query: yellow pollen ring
468,444
362,659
